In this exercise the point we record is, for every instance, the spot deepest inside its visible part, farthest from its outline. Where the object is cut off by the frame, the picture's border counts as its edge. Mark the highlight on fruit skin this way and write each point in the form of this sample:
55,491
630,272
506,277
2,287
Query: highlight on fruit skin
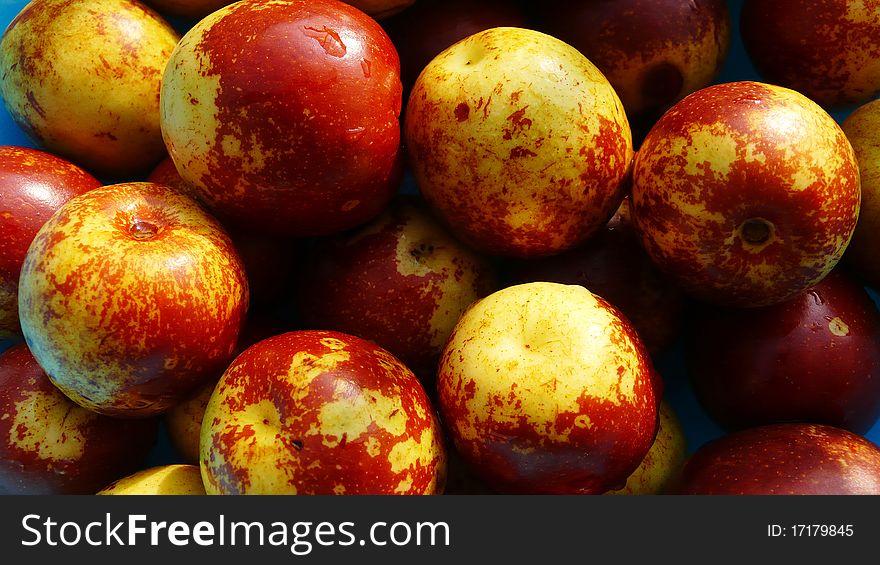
320,412
746,193
172,479
33,184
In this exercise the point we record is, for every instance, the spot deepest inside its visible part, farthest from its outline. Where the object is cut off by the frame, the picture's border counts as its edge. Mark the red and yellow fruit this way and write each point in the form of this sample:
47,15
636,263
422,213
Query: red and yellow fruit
33,184
812,358
662,465
423,31
284,116
49,445
545,388
94,100
402,282
784,459
164,480
829,50
130,296
518,142
746,193
654,52
862,128
184,422
613,265
320,412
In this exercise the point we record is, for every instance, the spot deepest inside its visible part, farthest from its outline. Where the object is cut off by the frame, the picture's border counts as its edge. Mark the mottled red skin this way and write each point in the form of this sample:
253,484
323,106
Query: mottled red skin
351,284
430,26
588,463
189,9
258,370
812,48
782,363
148,331
613,264
487,233
564,209
602,30
33,184
113,448
268,260
347,150
813,223
784,459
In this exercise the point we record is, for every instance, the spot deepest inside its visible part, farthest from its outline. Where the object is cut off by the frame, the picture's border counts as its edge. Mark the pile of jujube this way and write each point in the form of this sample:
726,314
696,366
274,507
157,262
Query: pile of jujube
428,247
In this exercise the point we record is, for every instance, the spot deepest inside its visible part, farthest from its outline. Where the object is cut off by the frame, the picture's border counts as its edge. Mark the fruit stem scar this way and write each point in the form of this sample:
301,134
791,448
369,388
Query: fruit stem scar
142,230
756,231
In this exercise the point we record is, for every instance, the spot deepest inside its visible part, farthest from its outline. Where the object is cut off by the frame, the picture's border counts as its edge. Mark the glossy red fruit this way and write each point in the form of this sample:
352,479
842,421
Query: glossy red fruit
49,445
421,32
613,265
746,193
828,50
130,296
654,52
779,459
33,184
285,115
319,412
813,358
402,281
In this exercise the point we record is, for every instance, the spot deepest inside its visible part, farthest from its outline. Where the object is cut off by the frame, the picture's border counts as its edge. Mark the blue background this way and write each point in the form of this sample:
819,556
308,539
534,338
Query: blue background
698,427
